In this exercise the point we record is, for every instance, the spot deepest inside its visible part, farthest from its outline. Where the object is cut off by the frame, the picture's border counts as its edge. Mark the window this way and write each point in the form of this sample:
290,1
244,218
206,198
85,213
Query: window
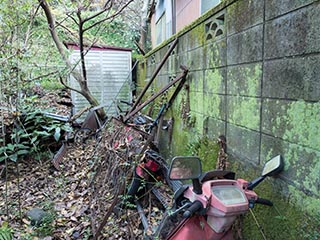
160,9
161,29
208,4
163,20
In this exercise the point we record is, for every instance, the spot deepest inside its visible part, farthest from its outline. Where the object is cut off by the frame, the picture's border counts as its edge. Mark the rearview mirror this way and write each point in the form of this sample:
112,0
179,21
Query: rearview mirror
273,166
185,168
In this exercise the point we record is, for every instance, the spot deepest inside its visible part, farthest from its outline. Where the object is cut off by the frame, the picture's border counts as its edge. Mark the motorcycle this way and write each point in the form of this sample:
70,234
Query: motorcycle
207,208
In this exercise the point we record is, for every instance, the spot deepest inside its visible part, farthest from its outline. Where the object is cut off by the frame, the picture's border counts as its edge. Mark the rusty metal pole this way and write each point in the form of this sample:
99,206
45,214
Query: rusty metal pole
177,90
166,56
152,98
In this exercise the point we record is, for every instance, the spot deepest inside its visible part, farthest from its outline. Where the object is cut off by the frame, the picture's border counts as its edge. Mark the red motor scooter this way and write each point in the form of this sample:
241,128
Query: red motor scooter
207,208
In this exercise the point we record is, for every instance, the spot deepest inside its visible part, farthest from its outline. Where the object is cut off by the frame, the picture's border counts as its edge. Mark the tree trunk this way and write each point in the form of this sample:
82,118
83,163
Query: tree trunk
144,19
81,79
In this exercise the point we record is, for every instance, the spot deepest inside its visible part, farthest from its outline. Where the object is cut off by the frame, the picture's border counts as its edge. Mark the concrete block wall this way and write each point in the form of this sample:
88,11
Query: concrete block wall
254,77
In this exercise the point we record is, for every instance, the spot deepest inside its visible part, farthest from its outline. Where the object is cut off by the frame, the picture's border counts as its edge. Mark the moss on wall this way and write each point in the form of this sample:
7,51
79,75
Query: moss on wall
214,80
215,54
230,92
197,36
141,73
294,121
180,139
189,142
245,80
213,105
282,221
244,111
196,102
187,137
302,120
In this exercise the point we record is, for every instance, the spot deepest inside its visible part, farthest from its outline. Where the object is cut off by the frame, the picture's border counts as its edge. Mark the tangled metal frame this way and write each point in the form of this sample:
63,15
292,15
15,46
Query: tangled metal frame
122,146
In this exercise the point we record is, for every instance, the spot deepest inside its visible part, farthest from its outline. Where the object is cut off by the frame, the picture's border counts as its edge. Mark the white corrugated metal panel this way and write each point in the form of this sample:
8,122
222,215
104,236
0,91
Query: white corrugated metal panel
109,78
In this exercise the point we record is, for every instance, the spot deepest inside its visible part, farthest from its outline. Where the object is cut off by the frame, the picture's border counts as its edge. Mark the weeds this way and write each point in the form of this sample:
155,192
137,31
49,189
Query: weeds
32,133
5,232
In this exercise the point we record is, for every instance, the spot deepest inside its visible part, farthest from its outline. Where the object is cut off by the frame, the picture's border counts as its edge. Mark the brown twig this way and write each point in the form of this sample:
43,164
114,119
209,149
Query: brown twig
19,191
222,161
6,191
129,218
110,210
108,17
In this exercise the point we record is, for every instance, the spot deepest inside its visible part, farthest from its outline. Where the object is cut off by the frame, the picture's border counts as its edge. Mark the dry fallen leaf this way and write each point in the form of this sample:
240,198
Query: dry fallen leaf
26,221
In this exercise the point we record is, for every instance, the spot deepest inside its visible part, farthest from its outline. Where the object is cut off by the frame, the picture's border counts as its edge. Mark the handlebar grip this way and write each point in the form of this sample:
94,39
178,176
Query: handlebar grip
195,206
264,202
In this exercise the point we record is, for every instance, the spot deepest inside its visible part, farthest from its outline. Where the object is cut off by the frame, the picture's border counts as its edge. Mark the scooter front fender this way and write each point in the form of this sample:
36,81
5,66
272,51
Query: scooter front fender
196,228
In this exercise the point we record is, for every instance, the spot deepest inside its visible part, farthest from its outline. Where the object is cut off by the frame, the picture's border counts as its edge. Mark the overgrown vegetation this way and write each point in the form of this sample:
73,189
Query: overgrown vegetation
28,54
5,232
207,150
46,226
29,57
32,132
30,64
283,220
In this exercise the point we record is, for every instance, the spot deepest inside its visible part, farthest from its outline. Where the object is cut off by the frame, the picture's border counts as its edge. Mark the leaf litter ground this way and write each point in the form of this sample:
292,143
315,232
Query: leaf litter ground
69,195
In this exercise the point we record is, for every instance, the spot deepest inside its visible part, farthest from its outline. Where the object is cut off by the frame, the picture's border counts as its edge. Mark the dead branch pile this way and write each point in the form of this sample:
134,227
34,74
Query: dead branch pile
84,195
119,150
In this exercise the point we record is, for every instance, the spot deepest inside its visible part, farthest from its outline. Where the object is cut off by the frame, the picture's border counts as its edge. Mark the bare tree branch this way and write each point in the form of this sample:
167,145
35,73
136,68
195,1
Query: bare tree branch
67,29
44,75
110,17
107,2
80,77
61,48
73,19
105,8
81,45
71,88
7,58
51,24
28,32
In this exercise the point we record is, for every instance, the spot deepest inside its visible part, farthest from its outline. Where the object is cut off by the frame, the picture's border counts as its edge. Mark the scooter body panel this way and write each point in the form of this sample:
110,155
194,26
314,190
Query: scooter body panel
196,228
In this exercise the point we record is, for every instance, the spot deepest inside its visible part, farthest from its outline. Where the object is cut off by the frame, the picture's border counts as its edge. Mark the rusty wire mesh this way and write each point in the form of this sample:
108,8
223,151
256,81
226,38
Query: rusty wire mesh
120,147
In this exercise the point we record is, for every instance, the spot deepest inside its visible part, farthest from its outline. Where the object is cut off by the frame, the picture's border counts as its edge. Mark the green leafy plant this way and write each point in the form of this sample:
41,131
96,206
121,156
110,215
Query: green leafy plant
46,227
34,133
6,232
50,84
13,151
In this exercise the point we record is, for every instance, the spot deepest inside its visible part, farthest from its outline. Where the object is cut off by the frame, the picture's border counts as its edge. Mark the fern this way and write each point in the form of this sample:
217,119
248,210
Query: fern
5,232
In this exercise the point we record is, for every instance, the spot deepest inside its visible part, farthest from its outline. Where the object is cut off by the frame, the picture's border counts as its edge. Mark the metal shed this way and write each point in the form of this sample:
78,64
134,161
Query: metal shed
108,73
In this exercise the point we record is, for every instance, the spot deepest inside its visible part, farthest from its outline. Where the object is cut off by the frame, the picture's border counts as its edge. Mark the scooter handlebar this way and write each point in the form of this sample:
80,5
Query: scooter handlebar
264,202
195,206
